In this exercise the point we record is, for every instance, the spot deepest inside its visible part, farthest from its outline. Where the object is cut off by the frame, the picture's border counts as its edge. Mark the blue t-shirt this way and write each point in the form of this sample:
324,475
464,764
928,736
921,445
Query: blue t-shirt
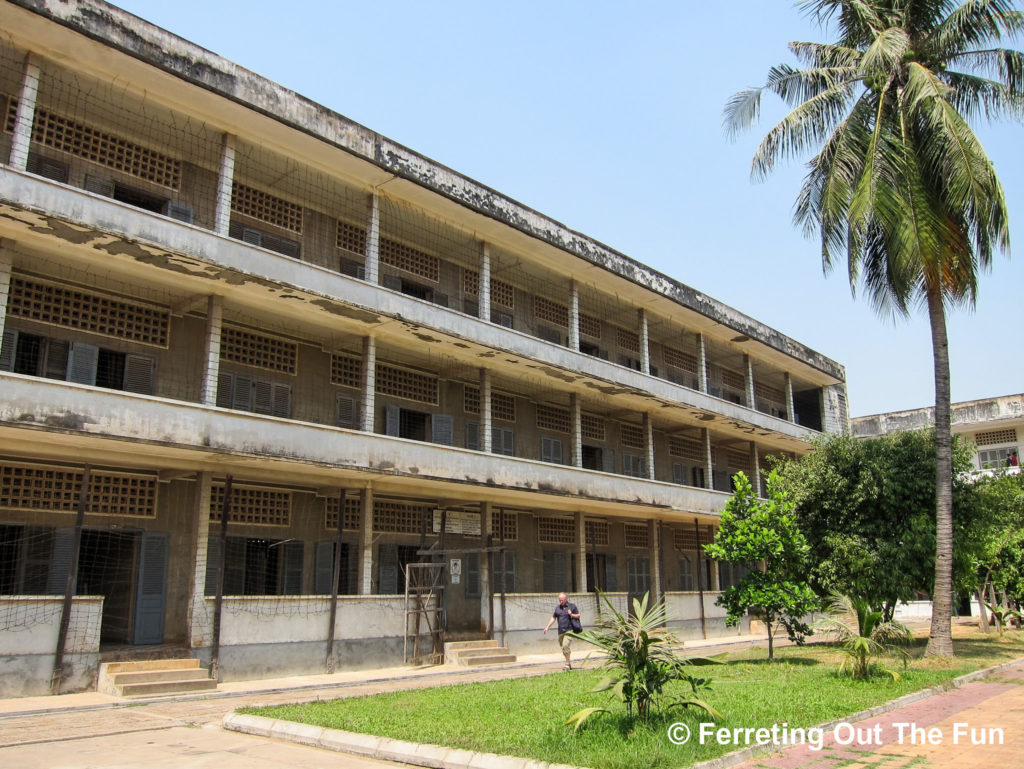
562,615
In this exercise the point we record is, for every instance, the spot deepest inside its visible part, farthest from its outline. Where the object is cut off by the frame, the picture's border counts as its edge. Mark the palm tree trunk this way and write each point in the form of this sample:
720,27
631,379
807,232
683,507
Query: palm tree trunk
940,640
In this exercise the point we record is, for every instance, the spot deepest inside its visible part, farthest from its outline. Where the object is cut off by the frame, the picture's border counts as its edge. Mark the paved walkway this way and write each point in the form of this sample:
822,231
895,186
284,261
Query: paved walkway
87,730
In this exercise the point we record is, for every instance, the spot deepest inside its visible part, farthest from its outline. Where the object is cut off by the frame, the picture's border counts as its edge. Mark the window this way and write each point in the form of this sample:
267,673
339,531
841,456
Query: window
38,355
991,458
255,566
503,571
264,239
593,457
633,466
346,412
503,441
638,574
558,574
392,561
685,573
593,350
259,396
601,573
551,450
324,575
405,423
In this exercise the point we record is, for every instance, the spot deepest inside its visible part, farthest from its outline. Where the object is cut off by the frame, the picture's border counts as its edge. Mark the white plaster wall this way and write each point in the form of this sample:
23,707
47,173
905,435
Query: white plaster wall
30,624
686,606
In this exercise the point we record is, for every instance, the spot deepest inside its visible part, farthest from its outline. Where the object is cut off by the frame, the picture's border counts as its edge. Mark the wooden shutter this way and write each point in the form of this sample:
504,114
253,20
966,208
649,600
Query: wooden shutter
471,574
551,450
392,282
57,352
180,211
234,567
139,374
611,574
7,349
151,588
387,574
608,460
442,429
99,186
281,397
324,568
252,237
473,436
346,412
212,563
554,575
241,392
225,389
392,416
292,554
263,397
60,561
82,361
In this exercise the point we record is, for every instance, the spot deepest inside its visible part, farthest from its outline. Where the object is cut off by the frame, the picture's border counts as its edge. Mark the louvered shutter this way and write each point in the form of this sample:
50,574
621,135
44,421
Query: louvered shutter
225,389
180,211
471,574
241,393
611,574
551,450
234,567
473,436
392,282
252,237
292,554
282,401
7,348
387,574
99,186
82,361
392,416
324,568
139,374
347,412
442,429
263,397
151,588
57,352
60,561
554,576
212,563
679,473
608,460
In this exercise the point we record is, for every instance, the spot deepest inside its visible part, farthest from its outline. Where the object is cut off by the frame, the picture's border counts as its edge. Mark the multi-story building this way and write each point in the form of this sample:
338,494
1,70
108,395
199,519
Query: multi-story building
992,425
216,294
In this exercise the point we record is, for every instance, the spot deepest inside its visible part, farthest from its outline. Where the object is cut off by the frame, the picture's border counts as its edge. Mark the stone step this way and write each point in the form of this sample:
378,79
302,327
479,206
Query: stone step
456,646
137,666
485,652
167,687
494,659
149,676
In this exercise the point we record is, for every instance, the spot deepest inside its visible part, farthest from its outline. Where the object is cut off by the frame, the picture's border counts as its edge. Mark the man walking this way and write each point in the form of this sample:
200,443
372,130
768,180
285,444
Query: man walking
568,618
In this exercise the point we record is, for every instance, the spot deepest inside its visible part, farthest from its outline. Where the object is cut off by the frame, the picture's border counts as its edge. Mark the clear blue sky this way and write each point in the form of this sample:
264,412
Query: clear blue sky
607,117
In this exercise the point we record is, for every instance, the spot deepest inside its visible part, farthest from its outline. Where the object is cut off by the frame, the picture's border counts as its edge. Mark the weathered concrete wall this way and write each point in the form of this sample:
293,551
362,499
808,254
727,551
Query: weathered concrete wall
191,63
29,626
967,417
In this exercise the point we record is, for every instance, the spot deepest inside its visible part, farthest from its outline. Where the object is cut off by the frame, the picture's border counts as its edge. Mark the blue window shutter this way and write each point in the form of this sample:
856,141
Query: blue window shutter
471,574
442,429
391,420
241,395
225,389
347,411
387,580
7,348
139,374
324,568
263,397
281,397
234,566
292,556
60,561
82,360
151,588
473,436
212,563
57,352
611,574
608,460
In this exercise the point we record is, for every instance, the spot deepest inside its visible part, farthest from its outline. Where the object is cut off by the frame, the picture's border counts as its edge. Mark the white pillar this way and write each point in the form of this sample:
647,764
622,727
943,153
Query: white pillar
368,377
645,342
26,114
748,373
655,555
709,468
576,425
485,412
702,364
755,468
365,541
5,284
581,554
574,316
790,414
225,185
486,517
648,445
484,289
211,367
200,621
372,262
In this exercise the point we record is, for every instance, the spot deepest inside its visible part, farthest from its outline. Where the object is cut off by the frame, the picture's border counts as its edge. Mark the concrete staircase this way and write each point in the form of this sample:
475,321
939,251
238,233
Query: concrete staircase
475,653
149,678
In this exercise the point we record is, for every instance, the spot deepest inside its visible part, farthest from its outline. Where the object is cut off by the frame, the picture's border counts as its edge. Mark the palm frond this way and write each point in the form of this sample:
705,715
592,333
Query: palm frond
886,51
974,24
974,96
826,54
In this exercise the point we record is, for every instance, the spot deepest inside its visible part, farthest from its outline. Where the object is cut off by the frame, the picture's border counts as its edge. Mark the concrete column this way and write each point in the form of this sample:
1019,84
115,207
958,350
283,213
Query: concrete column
648,445
365,541
645,342
26,114
574,316
709,482
372,263
748,373
654,536
576,425
581,554
225,184
5,284
211,367
702,364
486,519
484,290
755,468
790,413
200,620
368,377
485,411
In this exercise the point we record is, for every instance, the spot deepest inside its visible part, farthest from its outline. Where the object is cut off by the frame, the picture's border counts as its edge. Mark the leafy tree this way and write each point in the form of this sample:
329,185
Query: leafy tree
867,510
762,535
641,659
997,552
863,633
901,188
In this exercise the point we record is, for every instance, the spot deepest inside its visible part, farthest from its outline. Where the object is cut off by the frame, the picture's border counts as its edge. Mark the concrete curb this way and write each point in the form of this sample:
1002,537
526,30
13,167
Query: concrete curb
439,757
381,748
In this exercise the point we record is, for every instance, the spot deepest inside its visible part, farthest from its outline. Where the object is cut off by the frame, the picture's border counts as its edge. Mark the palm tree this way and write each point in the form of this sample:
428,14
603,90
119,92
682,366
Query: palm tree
900,185
863,634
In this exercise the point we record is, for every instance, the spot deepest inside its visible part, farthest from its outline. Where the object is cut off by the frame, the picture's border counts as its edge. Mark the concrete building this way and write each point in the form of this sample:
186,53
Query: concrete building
993,425
217,295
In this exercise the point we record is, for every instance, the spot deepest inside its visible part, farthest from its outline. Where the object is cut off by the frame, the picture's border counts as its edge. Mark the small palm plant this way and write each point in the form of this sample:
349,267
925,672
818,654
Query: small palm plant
1002,615
641,660
863,634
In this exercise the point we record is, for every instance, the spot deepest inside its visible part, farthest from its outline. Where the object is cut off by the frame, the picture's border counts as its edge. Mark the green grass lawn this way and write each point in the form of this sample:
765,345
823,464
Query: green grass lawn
524,717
